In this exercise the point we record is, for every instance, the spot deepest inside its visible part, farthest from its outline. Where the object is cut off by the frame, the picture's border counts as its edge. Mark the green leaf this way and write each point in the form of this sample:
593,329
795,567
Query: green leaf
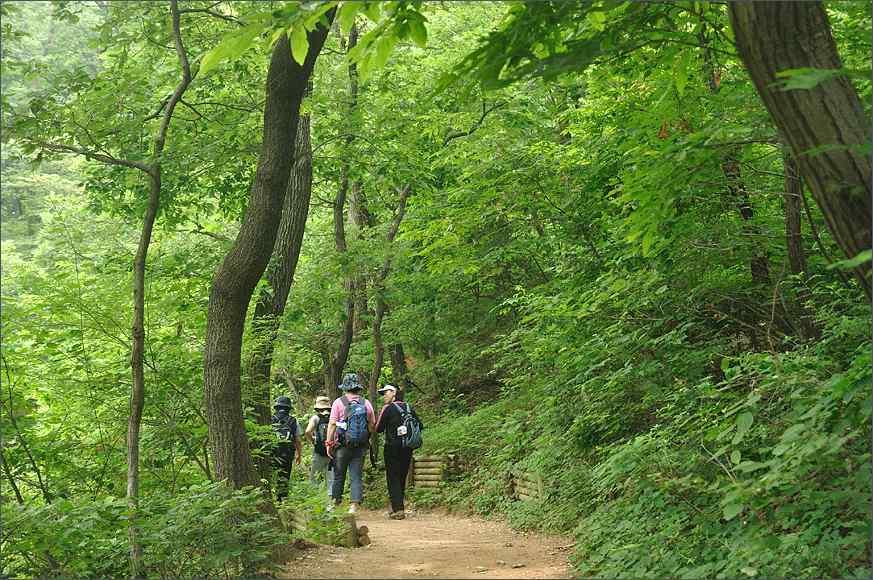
384,46
299,44
372,11
860,258
744,422
230,47
732,509
418,32
735,457
346,15
680,73
805,78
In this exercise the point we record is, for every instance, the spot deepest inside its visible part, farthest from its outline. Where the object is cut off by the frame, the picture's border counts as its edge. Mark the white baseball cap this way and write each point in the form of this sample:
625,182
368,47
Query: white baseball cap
388,388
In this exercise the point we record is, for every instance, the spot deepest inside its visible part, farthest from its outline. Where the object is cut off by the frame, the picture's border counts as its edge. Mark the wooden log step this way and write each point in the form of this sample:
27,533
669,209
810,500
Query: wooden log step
420,477
428,471
419,464
526,490
427,484
440,458
524,497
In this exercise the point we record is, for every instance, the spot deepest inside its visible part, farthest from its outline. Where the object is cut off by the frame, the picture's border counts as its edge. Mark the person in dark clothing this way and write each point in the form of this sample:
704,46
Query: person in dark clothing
397,457
287,442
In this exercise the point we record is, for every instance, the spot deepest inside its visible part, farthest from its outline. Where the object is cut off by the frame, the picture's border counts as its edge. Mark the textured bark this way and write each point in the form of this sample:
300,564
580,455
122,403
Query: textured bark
824,126
137,394
792,204
236,277
280,276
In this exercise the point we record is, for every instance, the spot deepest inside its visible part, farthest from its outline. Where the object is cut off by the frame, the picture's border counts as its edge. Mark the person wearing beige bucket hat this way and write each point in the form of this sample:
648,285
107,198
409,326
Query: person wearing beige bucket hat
316,433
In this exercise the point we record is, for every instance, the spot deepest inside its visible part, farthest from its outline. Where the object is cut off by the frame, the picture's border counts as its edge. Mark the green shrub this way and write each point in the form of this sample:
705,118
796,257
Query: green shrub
205,530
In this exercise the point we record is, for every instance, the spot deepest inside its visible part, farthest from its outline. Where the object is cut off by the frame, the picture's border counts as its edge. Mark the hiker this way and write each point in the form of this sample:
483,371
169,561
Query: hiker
402,429
352,419
287,434
316,433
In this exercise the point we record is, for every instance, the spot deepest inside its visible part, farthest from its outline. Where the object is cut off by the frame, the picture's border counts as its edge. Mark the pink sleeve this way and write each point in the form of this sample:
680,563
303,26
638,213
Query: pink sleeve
337,411
370,411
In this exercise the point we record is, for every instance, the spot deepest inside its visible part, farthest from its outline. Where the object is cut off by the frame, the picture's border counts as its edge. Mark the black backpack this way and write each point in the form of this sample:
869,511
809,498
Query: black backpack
321,436
285,429
412,439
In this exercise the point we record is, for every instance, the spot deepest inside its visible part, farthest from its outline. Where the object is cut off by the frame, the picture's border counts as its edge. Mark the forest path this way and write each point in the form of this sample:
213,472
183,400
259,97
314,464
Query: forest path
437,545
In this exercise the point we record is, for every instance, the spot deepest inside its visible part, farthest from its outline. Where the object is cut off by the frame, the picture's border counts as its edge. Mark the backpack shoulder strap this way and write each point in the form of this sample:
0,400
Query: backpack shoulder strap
347,403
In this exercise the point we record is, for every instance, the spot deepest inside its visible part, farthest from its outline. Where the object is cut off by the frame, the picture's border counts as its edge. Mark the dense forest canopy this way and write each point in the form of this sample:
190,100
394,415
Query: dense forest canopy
622,245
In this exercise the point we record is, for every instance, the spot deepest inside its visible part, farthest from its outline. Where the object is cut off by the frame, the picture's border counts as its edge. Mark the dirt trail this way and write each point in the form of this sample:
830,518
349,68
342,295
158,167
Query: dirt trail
436,545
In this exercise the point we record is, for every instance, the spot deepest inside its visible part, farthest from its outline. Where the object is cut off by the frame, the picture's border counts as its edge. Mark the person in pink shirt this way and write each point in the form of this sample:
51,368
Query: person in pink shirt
352,420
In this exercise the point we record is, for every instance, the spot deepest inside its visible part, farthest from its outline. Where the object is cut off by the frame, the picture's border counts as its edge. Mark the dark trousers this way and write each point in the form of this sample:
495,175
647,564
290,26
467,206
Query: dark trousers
397,460
283,457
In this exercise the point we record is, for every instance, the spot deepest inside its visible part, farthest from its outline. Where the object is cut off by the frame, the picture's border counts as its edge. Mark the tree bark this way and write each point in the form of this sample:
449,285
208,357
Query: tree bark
824,126
137,395
280,276
237,276
792,204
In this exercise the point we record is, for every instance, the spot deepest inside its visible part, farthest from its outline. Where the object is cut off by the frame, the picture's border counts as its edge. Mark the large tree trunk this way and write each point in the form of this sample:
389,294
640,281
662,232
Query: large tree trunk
246,260
137,349
824,126
280,275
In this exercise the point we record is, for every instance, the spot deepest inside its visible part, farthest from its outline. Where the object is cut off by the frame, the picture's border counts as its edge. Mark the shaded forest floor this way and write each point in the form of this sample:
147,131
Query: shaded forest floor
437,545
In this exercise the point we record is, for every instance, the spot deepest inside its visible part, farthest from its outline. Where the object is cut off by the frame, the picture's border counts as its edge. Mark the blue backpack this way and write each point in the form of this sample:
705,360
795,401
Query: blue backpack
356,434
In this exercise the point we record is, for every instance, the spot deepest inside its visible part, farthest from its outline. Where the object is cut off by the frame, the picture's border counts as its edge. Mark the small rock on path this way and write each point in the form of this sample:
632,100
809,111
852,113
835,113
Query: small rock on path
436,545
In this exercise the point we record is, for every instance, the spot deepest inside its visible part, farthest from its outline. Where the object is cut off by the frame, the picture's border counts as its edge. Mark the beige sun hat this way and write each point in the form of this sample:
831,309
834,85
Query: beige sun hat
322,403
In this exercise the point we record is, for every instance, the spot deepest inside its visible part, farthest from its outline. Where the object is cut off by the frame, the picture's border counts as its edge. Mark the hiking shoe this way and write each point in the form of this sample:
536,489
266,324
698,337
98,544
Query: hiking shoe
330,506
397,516
353,509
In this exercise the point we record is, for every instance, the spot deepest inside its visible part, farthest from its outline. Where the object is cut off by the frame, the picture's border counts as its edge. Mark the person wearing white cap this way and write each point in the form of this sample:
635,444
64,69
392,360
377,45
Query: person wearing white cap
393,421
316,433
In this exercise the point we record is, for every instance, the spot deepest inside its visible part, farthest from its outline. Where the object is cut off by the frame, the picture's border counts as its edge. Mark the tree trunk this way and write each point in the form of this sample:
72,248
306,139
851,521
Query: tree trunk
792,198
398,369
759,263
792,204
280,276
238,274
137,394
379,289
825,126
334,363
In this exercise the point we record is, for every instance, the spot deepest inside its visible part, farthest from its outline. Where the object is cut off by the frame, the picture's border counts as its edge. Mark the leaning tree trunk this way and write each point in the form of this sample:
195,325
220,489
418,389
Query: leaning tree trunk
238,274
825,126
280,275
137,349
